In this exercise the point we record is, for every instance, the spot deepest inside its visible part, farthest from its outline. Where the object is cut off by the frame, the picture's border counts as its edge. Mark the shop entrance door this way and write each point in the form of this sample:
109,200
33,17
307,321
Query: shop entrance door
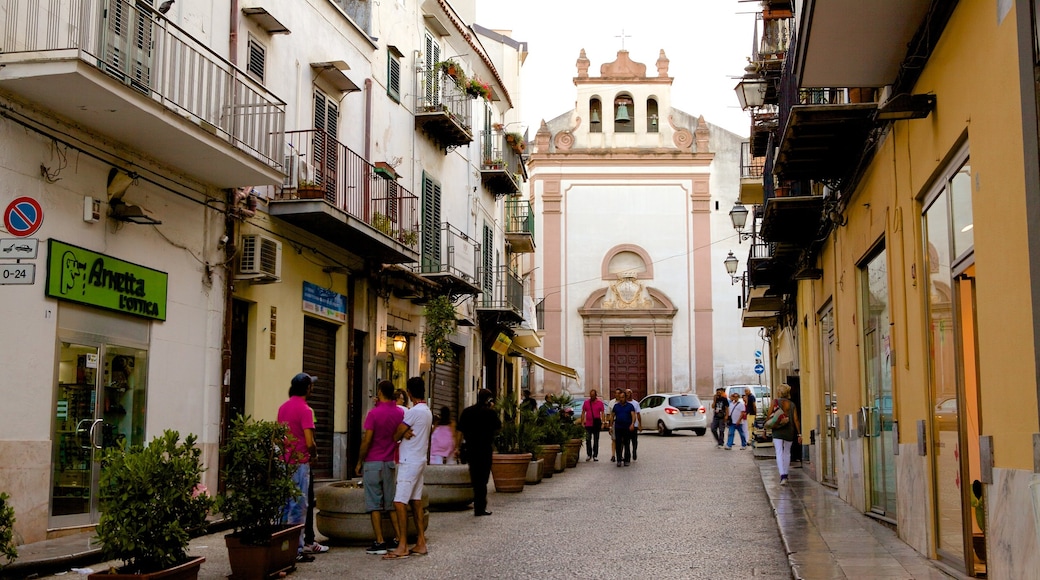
878,417
828,425
100,404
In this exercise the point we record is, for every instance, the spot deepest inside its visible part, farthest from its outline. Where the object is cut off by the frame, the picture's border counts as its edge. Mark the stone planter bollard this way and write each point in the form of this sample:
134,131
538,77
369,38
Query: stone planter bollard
448,486
341,514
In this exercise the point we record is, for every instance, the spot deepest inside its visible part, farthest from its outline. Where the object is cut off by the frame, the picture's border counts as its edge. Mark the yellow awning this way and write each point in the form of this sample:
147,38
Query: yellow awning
544,363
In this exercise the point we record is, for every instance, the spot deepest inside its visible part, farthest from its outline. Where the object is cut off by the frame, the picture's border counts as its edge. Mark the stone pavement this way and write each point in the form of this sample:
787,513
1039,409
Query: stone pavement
685,509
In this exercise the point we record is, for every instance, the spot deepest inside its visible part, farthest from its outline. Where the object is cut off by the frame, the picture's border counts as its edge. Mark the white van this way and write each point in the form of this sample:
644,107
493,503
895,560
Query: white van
763,397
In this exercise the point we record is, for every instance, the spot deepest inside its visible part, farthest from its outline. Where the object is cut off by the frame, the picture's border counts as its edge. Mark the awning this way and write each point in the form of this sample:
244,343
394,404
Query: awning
544,363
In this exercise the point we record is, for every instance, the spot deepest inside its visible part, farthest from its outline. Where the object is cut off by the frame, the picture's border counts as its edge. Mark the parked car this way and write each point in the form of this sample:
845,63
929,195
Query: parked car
763,398
667,412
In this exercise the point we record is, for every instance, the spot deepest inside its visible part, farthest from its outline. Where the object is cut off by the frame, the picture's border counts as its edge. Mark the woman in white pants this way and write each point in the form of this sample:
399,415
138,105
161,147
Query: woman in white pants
788,435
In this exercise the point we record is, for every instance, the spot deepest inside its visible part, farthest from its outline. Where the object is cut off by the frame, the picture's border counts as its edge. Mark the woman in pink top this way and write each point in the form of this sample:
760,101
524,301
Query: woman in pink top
592,419
442,440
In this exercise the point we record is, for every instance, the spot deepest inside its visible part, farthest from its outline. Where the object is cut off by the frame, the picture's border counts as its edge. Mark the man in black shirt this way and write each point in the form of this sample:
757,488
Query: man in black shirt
720,410
478,425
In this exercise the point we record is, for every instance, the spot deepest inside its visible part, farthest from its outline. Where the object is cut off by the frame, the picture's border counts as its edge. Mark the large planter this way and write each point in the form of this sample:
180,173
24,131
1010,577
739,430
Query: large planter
534,471
449,487
509,470
310,192
187,571
548,455
271,558
341,514
572,451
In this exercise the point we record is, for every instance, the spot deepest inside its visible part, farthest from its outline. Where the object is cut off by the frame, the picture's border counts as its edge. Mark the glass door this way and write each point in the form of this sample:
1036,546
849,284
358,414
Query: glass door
829,419
877,414
100,404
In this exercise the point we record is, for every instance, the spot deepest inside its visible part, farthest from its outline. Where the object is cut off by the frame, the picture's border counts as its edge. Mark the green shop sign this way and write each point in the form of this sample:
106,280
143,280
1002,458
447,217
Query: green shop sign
87,277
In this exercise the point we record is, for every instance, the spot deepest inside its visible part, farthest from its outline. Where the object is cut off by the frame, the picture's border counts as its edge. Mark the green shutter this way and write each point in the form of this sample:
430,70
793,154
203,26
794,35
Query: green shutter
431,225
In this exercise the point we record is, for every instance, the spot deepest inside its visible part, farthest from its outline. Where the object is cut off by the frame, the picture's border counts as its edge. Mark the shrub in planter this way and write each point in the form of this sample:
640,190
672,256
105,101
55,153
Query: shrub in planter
151,502
7,549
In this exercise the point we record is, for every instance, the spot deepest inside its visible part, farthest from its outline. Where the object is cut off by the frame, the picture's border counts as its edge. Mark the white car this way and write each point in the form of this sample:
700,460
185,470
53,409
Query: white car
763,398
667,412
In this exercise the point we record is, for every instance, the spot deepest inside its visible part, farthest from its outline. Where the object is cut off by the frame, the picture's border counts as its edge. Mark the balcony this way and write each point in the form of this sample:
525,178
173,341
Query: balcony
126,73
505,302
450,258
501,161
337,195
763,125
751,170
824,134
443,110
519,226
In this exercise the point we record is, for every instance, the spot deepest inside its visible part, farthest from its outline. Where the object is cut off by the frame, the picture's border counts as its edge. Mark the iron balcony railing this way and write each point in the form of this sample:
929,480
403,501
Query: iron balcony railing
440,92
500,150
319,163
141,48
750,165
502,290
519,217
448,250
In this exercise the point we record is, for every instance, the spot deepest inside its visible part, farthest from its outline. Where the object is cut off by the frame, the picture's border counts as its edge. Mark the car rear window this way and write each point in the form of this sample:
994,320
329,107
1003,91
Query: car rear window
684,402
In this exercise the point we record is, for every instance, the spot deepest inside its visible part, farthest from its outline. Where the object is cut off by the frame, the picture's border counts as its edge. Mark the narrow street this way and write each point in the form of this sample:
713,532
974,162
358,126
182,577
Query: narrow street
685,509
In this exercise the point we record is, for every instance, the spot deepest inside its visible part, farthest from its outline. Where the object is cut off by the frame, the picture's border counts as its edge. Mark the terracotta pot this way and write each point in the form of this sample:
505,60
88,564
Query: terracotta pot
572,451
187,571
310,193
509,470
276,555
548,454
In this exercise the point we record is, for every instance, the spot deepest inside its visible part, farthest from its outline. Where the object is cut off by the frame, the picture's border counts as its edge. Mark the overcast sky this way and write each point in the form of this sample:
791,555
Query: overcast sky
706,41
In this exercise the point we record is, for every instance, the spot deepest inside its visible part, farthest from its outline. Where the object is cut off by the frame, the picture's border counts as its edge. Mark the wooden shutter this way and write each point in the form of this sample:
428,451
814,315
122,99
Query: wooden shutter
431,225
488,262
325,155
393,76
257,59
433,56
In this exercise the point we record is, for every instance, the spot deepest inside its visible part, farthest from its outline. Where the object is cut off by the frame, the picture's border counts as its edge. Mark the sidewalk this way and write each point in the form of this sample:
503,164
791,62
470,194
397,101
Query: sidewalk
826,538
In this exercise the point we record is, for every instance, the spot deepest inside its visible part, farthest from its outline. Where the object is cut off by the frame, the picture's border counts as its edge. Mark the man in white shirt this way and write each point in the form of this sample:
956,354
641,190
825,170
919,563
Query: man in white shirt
414,435
639,424
737,416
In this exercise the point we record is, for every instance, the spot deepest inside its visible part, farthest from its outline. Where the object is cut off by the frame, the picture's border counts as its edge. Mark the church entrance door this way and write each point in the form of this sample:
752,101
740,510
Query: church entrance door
628,364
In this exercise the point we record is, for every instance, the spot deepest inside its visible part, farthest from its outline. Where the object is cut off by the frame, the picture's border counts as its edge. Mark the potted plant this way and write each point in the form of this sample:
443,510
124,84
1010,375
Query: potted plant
476,88
513,446
575,433
151,501
551,437
451,68
515,142
258,482
382,222
307,189
7,549
408,237
496,163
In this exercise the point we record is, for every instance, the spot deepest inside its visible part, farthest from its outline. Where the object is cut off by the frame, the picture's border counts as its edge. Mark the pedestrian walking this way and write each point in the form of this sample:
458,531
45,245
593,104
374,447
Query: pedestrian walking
592,420
443,450
752,412
528,404
623,417
638,424
478,425
376,463
719,415
310,544
298,416
610,427
784,437
737,416
414,436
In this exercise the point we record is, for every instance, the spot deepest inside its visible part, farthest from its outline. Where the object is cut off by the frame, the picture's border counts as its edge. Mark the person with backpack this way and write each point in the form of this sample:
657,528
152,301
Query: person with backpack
720,410
785,433
737,416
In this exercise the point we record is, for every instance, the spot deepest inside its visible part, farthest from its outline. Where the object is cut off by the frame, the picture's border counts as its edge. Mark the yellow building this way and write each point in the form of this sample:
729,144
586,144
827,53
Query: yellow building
892,262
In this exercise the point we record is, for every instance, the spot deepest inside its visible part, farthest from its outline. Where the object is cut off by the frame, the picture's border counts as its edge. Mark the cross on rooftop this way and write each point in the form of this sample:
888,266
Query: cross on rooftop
623,36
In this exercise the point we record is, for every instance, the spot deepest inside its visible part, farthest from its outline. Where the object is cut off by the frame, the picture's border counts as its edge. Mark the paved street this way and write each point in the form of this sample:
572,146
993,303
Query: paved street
683,510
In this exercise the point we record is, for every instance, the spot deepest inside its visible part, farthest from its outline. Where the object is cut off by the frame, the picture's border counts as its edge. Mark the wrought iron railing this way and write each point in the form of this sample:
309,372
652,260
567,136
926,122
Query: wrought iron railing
350,183
500,150
141,48
519,217
440,92
506,291
750,166
449,250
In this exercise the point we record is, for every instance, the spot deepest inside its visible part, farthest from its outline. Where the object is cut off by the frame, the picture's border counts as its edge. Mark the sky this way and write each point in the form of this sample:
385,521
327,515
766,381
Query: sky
706,41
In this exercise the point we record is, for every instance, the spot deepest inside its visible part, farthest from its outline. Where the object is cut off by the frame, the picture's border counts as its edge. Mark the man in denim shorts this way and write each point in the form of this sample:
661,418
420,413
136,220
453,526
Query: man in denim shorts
376,462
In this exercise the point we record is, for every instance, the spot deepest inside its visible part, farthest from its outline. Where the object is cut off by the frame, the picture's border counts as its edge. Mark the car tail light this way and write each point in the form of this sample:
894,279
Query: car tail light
671,410
701,410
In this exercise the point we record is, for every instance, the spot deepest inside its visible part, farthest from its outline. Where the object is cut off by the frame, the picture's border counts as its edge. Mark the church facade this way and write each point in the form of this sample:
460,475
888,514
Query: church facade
632,198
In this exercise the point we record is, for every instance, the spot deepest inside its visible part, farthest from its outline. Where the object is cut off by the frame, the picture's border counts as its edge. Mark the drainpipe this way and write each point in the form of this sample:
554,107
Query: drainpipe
225,341
368,120
233,34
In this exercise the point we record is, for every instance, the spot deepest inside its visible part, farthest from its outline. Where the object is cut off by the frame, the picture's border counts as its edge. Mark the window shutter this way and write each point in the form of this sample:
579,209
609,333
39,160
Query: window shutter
433,56
431,225
489,262
256,59
393,77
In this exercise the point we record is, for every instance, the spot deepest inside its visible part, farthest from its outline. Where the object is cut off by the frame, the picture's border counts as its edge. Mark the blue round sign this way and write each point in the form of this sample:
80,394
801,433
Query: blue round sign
759,369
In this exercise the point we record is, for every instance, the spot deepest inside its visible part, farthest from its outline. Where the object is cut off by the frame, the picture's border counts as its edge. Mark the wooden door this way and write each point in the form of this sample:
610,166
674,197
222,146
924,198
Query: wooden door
628,365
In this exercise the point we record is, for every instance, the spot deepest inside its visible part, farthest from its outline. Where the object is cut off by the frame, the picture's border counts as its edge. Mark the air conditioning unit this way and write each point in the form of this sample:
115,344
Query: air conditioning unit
260,261
296,170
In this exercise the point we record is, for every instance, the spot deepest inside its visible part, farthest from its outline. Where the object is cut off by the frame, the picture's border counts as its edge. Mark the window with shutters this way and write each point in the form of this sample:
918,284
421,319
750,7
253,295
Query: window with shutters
431,225
256,58
433,56
326,123
393,74
488,264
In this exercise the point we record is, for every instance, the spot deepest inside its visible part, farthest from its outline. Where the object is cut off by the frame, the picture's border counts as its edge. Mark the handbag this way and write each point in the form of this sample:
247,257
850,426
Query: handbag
778,418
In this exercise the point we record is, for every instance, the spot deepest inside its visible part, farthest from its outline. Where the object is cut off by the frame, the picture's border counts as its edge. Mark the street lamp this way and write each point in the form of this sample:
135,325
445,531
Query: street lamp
738,215
400,342
731,262
751,92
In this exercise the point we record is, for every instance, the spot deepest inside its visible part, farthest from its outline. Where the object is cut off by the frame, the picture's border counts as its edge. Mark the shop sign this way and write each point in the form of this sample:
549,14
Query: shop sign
83,276
324,303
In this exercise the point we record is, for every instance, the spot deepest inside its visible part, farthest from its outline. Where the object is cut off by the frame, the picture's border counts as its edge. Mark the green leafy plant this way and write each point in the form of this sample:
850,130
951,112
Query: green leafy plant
382,222
408,237
520,432
7,549
440,323
257,477
151,502
551,431
475,87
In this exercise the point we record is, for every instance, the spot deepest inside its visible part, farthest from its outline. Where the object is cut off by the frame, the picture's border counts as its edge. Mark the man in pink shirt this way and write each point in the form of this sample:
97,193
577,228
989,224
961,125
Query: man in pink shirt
376,463
297,414
592,419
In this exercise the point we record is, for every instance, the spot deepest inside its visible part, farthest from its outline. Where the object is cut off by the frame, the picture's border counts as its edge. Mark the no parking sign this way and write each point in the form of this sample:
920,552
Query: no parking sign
23,217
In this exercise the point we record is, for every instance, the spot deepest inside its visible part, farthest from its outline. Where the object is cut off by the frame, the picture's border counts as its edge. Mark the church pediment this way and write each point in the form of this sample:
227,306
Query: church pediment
623,68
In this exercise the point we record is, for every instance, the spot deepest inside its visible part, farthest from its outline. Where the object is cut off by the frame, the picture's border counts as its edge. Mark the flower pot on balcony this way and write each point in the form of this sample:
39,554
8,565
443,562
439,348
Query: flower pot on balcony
310,192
